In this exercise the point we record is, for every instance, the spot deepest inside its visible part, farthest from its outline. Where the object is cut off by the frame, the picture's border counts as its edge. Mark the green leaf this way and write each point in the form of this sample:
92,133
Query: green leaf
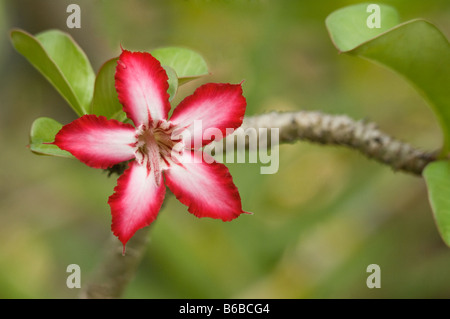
173,81
187,64
417,50
437,177
43,130
105,101
62,62
348,26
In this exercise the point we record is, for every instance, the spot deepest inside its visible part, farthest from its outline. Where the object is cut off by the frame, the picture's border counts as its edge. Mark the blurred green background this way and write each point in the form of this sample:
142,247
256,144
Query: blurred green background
318,223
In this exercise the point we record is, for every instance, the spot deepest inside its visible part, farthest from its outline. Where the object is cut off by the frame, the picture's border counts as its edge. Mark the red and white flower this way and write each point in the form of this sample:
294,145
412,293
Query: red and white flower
159,158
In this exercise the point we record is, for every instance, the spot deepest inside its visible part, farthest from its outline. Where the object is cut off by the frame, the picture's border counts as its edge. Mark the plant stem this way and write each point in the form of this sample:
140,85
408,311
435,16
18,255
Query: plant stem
328,129
116,270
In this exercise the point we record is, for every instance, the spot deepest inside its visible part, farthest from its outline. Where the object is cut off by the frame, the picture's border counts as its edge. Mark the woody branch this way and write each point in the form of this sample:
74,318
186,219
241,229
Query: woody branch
325,129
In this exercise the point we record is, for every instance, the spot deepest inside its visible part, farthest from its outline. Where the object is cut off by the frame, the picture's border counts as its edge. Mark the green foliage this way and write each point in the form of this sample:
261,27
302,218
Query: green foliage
187,64
43,130
421,53
437,177
62,62
348,26
417,50
173,82
105,101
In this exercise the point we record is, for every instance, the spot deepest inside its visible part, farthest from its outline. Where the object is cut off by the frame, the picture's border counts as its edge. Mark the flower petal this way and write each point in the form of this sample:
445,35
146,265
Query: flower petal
207,189
217,105
97,141
141,84
136,201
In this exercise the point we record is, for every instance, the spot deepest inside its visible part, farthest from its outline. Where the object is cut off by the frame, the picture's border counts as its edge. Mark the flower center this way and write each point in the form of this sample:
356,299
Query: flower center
156,146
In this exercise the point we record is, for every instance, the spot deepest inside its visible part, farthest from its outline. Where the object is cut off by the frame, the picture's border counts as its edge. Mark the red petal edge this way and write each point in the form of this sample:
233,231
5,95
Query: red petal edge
207,189
141,84
136,201
217,105
97,141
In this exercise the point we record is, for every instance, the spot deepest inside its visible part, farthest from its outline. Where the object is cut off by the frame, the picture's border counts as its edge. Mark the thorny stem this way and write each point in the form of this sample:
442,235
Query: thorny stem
116,271
328,129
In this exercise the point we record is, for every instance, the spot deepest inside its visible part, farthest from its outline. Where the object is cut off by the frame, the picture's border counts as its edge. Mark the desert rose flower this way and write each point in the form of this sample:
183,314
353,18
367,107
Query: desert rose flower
159,157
